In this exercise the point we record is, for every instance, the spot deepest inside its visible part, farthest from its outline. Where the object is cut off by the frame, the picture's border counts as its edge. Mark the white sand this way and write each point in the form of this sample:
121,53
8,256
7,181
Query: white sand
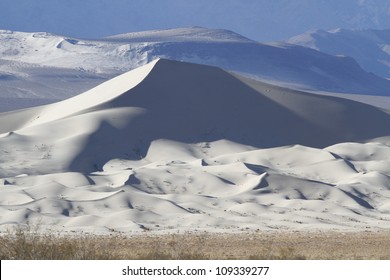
41,68
179,146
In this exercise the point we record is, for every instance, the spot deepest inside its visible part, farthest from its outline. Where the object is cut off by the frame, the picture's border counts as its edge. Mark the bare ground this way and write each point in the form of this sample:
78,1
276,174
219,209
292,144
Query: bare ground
27,244
296,245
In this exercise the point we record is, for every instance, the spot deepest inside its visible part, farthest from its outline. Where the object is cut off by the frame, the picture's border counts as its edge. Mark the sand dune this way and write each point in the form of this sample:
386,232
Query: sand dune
174,145
39,67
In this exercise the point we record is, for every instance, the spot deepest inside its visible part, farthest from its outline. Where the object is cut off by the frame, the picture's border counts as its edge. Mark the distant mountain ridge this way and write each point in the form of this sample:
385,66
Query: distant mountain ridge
262,20
370,48
192,34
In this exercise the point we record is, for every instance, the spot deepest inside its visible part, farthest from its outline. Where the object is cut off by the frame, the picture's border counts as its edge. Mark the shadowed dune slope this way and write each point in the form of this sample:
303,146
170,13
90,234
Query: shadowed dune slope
177,146
192,103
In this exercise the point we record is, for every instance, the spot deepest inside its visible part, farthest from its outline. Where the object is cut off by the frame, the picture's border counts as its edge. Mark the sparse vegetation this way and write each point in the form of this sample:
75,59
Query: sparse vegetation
29,243
26,242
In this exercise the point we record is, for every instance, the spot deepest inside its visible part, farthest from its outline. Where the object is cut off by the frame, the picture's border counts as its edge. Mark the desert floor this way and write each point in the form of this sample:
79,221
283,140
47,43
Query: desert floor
27,244
277,245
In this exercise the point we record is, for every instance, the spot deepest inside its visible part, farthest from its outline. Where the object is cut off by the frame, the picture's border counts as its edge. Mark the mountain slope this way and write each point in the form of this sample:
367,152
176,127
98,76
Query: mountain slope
193,34
370,48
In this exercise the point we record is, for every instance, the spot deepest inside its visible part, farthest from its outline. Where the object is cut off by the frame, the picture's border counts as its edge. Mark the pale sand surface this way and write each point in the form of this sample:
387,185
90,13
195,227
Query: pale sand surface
38,68
177,146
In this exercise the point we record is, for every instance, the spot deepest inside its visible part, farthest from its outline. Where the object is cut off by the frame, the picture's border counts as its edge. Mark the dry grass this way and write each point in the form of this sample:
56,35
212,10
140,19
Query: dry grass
28,243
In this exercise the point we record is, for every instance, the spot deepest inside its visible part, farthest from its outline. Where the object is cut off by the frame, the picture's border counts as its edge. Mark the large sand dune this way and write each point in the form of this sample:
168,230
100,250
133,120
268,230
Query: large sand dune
174,145
38,68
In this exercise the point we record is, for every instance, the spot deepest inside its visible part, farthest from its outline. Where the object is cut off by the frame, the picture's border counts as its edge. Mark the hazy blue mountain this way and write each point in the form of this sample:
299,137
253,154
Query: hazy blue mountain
262,20
370,48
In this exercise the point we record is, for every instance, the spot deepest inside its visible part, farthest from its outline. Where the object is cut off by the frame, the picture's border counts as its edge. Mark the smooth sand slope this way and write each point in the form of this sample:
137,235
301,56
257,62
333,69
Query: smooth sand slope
40,68
174,145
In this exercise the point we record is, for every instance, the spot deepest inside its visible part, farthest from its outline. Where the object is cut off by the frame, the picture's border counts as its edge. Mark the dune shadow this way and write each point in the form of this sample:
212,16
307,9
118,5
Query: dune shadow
192,103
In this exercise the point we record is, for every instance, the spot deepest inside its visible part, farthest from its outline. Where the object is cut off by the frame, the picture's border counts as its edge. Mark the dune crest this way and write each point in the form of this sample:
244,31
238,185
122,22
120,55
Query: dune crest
174,145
